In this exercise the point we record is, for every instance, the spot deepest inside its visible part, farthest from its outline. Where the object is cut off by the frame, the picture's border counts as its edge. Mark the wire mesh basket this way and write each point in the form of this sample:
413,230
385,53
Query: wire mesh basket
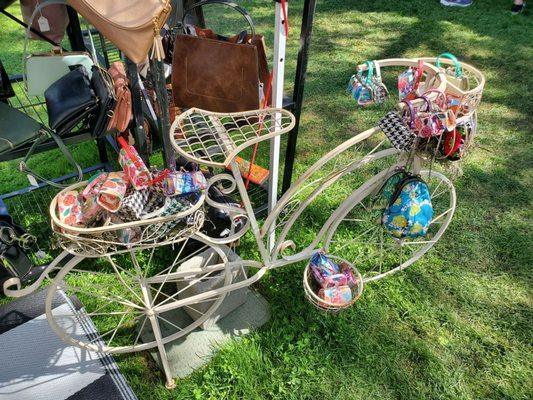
115,238
312,289
214,139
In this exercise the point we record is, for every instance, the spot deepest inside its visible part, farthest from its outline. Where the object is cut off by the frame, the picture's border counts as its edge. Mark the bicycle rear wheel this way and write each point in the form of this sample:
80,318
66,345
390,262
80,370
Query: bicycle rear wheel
115,298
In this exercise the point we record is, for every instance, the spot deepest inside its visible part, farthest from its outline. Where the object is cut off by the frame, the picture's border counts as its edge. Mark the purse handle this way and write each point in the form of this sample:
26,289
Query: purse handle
411,113
429,105
457,64
370,71
441,94
230,4
419,73
23,167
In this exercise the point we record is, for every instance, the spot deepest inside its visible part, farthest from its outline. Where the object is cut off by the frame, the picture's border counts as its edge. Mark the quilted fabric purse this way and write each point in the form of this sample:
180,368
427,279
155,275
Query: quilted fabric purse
409,81
360,87
397,131
133,166
178,183
409,211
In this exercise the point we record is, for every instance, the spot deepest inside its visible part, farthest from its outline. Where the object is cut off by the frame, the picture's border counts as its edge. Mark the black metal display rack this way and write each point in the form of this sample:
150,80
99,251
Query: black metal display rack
77,42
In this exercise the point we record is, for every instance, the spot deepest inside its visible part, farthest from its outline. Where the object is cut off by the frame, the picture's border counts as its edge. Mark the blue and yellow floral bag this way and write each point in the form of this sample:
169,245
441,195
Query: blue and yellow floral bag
409,211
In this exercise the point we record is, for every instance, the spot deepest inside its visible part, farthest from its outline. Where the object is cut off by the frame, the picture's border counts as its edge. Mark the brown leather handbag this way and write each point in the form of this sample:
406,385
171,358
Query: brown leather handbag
132,25
216,73
122,113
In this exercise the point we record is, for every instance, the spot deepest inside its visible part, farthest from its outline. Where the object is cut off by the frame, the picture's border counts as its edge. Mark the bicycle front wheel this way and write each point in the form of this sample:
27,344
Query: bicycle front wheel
358,235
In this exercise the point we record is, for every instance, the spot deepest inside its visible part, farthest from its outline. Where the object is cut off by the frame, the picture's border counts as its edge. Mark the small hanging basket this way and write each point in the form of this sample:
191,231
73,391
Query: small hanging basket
312,289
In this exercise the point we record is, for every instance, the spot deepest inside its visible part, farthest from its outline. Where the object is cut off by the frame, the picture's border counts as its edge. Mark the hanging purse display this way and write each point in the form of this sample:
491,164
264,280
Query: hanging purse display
122,111
429,120
103,88
360,86
132,25
41,70
70,100
217,74
368,89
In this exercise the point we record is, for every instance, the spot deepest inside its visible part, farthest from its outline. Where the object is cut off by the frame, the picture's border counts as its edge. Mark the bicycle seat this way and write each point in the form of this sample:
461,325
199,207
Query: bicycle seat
214,139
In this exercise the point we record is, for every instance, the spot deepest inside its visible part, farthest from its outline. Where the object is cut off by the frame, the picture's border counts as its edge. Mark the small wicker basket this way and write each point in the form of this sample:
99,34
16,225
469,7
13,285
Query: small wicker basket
311,289
104,240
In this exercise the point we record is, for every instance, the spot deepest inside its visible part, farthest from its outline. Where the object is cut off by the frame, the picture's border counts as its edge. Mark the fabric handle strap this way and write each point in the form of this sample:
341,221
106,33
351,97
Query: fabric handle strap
411,113
419,72
457,64
230,4
24,168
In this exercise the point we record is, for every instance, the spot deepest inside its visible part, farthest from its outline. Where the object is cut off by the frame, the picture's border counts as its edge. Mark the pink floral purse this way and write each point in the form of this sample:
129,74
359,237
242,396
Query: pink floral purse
134,168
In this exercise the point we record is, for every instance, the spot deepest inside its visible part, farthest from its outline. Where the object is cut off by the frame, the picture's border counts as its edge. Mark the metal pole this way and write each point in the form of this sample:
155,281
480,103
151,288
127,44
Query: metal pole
277,101
299,84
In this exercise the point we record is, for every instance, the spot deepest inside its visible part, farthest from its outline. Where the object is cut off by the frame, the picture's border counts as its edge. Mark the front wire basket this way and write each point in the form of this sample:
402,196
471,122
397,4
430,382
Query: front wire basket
309,284
146,233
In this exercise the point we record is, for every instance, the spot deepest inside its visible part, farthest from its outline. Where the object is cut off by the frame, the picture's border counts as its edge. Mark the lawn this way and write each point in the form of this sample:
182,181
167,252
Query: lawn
457,324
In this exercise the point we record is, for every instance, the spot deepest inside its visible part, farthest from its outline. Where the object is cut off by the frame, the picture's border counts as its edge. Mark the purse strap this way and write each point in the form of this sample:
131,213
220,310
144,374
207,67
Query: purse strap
370,71
418,74
429,105
411,113
230,4
63,148
457,64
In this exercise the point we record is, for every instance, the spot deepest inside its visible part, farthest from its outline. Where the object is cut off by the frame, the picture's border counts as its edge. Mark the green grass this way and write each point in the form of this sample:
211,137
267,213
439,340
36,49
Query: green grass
457,325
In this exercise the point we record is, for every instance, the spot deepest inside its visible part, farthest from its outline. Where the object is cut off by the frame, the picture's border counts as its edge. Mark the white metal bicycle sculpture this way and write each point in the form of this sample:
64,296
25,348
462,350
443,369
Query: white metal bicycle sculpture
135,289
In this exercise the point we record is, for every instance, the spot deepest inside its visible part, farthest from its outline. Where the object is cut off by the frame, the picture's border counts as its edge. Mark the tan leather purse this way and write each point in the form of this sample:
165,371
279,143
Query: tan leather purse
132,25
219,74
122,112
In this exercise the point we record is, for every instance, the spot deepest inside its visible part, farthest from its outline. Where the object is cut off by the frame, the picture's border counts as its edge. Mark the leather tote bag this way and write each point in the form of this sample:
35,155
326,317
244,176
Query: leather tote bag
216,74
132,25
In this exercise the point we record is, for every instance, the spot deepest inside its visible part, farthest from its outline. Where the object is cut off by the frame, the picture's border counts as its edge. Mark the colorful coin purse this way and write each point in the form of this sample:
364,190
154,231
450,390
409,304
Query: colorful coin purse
337,295
112,191
325,271
69,207
178,183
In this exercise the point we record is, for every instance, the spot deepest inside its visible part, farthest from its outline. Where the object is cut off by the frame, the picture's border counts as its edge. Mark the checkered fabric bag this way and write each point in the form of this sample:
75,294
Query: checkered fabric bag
174,206
133,205
398,133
